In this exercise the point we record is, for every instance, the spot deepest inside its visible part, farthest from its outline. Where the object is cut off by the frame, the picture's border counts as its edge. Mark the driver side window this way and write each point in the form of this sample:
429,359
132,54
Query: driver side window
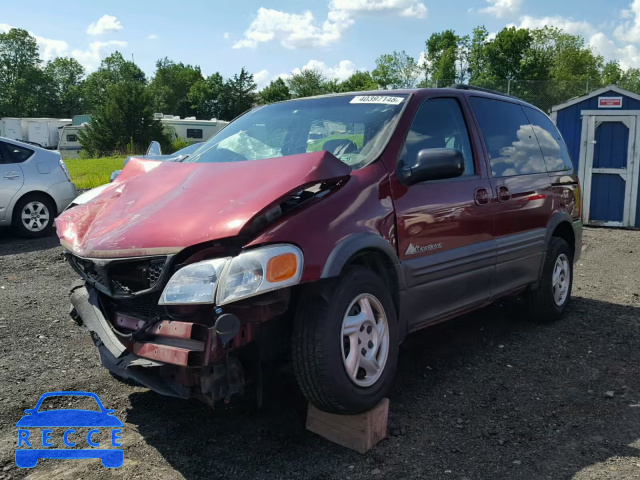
439,123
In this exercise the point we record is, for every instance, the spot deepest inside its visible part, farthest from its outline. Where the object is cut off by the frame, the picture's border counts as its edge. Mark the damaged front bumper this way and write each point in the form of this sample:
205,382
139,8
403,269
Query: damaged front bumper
173,358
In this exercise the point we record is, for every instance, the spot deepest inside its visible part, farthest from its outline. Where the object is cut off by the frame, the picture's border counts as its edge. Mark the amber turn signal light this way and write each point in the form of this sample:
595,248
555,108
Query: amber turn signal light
282,267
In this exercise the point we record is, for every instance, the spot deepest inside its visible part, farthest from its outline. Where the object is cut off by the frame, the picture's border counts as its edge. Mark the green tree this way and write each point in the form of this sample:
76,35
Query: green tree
124,123
307,83
114,70
21,78
442,55
612,74
477,54
505,54
238,96
631,80
396,70
171,85
276,91
66,77
359,81
205,96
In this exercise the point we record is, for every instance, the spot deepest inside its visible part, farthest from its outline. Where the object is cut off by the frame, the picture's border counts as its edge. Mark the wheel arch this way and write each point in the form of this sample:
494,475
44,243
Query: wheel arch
34,193
370,250
561,226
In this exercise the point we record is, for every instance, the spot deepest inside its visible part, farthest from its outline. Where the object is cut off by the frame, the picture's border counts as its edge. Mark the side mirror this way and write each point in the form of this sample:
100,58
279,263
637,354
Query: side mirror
154,149
30,411
432,164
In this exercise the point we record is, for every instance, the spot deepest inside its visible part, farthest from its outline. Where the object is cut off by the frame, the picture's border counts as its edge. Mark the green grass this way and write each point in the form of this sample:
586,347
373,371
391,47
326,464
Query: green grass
92,172
316,145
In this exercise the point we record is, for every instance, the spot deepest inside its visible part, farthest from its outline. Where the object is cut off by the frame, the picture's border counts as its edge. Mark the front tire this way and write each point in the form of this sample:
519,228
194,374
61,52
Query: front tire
549,300
345,343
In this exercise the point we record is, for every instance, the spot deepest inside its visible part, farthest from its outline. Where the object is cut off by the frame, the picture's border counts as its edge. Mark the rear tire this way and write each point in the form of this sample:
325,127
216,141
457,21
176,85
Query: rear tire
548,301
345,343
33,216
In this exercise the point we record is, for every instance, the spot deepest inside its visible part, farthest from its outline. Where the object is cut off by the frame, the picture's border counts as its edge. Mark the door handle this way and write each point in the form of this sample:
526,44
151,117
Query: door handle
481,196
12,175
504,195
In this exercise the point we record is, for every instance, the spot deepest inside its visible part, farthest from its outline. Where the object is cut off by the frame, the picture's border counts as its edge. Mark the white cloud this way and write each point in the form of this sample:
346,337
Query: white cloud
302,30
341,71
91,57
153,36
502,8
261,78
292,29
226,35
401,7
49,48
624,51
629,31
628,55
566,24
106,23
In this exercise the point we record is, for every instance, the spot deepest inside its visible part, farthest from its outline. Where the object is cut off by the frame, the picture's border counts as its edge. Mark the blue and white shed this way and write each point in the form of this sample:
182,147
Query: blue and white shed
602,132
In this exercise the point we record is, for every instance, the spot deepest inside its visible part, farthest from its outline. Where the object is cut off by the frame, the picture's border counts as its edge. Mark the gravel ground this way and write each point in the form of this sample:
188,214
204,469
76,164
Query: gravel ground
487,396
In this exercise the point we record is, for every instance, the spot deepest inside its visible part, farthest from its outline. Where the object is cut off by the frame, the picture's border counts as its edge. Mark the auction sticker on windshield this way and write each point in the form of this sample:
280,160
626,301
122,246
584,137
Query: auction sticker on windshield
381,99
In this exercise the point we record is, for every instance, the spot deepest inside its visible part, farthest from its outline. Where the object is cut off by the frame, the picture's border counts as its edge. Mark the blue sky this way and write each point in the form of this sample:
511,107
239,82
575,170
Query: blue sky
278,37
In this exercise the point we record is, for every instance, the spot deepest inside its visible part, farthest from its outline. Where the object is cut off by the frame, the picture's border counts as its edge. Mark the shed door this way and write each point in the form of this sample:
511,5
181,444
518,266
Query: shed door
607,175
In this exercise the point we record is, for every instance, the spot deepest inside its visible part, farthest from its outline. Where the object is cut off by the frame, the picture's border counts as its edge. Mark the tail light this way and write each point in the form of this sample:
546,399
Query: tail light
64,168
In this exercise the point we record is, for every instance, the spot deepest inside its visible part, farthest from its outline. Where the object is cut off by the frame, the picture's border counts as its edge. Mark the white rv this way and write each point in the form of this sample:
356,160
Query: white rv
189,128
69,146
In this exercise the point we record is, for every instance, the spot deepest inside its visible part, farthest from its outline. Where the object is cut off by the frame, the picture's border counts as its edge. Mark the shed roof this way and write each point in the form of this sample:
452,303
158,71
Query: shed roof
595,93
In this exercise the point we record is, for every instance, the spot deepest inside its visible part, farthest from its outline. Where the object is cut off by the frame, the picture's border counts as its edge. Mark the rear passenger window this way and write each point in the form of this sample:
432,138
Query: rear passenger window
17,154
439,123
554,150
509,138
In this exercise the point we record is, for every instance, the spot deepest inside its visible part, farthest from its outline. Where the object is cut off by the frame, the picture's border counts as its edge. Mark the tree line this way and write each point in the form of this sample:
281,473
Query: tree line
545,66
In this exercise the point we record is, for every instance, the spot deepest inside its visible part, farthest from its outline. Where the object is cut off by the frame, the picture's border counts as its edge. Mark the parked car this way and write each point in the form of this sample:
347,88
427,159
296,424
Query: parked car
34,187
197,272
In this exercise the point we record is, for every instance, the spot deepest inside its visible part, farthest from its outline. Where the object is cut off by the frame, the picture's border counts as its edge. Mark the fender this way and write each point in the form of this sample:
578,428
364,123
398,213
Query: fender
355,243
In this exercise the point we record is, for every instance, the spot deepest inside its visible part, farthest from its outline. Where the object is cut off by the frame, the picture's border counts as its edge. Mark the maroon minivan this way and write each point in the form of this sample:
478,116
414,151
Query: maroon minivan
327,227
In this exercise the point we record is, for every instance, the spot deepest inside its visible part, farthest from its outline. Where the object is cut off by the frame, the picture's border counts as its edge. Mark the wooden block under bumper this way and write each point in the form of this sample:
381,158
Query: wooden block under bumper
358,432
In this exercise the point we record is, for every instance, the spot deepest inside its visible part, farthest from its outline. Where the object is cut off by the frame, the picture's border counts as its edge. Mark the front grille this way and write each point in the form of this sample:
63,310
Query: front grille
144,307
122,277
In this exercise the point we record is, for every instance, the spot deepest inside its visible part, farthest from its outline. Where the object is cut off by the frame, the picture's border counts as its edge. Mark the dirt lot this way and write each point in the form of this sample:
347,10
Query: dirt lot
488,396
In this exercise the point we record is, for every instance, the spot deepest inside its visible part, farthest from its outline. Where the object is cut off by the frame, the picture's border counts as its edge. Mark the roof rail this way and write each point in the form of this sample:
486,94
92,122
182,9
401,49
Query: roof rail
461,86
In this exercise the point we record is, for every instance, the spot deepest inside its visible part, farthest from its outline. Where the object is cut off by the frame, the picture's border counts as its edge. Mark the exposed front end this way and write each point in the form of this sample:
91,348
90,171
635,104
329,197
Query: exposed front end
167,322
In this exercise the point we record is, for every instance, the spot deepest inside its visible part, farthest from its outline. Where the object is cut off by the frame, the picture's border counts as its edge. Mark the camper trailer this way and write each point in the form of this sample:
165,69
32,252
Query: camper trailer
45,131
189,128
69,146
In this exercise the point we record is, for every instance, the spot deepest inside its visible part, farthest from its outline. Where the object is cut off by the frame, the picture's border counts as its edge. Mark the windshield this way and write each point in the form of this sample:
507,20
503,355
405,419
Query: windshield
354,128
189,149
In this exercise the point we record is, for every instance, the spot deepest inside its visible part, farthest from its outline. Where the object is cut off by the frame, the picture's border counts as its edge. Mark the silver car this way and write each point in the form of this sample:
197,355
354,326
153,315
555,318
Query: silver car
34,187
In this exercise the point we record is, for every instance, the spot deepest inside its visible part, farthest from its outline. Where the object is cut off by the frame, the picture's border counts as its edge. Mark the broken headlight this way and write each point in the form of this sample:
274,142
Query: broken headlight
258,271
227,280
195,283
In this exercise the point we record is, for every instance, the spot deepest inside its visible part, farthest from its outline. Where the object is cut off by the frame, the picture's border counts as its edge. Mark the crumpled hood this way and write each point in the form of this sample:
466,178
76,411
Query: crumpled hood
162,207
